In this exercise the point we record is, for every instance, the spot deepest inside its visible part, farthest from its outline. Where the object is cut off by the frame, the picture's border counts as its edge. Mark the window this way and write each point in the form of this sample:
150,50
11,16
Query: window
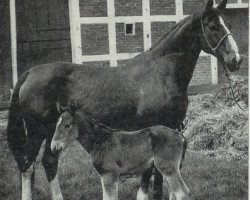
130,29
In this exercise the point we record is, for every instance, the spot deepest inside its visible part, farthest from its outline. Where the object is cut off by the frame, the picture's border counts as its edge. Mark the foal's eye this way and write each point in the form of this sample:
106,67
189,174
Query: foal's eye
67,125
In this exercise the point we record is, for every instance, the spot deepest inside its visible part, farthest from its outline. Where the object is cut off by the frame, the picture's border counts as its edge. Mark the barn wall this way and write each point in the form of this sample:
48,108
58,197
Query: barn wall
159,7
5,52
43,33
94,39
128,7
95,34
90,8
129,43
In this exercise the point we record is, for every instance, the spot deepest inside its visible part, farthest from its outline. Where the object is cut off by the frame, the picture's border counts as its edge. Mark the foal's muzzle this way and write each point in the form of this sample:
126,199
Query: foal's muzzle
56,146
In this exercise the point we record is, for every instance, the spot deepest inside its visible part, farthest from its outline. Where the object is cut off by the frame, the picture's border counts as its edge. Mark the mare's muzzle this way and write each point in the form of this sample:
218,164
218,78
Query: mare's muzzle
235,63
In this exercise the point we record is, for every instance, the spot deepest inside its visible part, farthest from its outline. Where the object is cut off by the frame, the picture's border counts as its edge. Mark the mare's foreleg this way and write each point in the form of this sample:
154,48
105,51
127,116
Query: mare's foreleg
31,149
50,164
110,186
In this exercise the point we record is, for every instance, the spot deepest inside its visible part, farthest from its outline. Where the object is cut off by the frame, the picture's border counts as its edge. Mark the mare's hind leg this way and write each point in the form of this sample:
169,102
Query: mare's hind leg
35,137
142,193
50,164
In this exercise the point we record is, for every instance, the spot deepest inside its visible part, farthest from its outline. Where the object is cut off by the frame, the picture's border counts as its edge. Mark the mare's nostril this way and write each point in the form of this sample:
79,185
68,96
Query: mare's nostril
233,61
240,61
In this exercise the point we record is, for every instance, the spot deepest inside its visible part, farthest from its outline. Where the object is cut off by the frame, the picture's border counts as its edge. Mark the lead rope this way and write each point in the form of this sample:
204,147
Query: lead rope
231,88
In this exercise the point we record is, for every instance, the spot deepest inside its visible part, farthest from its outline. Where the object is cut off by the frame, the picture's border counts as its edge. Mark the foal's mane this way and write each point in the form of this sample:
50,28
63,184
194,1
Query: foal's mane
94,122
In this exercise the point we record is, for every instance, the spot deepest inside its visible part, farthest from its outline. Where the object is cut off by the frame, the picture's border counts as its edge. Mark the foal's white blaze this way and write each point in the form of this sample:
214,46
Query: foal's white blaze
141,195
55,189
231,40
59,121
26,184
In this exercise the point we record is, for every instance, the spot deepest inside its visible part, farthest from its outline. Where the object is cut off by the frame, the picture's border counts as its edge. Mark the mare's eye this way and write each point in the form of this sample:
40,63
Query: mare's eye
214,28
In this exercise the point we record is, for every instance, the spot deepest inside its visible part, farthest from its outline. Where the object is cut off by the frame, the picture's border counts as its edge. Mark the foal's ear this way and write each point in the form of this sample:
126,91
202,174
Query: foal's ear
210,4
222,5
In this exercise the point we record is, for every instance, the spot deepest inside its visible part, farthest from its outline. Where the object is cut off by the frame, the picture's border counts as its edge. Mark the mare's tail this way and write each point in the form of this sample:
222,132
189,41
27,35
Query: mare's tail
16,136
183,150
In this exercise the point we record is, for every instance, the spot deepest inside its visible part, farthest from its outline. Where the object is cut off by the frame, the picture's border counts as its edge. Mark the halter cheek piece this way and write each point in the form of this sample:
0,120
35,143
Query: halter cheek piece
219,43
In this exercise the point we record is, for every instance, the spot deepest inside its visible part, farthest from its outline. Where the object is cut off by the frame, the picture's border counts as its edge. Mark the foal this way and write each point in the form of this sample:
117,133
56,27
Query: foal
115,152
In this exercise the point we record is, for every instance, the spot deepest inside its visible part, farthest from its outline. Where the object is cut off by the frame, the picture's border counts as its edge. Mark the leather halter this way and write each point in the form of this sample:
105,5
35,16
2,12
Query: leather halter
218,44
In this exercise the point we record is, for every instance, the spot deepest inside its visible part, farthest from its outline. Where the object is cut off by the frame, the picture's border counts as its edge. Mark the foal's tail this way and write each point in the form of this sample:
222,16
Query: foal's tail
16,136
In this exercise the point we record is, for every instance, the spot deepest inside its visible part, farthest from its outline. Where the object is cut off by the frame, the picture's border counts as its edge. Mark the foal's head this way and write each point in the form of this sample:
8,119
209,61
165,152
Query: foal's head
78,126
64,133
216,38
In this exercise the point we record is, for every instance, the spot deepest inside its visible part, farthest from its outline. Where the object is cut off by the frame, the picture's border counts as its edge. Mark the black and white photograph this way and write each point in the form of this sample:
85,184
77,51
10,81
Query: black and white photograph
124,99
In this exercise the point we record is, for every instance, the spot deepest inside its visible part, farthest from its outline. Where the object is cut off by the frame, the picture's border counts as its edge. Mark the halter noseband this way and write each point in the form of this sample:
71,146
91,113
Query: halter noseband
219,43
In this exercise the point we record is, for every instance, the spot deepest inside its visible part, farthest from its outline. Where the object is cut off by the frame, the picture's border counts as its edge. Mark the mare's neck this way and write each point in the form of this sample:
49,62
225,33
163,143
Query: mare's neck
183,38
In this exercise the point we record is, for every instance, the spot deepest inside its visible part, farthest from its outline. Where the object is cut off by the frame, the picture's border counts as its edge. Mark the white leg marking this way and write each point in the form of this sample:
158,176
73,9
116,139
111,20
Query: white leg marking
25,129
231,40
141,195
109,189
26,183
55,189
177,187
179,194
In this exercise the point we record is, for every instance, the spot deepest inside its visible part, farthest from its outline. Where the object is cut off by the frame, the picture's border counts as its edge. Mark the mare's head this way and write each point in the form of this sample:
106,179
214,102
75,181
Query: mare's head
216,39
65,132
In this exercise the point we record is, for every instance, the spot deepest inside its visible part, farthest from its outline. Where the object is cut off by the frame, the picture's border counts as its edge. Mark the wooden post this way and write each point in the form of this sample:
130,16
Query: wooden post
112,32
75,31
214,70
13,41
146,25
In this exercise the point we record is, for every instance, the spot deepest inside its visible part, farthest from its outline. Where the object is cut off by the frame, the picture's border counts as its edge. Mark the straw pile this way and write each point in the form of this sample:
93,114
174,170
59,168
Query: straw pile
216,123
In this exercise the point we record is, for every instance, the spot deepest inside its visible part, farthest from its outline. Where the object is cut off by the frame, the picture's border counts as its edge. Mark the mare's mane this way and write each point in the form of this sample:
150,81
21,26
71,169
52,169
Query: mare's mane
169,34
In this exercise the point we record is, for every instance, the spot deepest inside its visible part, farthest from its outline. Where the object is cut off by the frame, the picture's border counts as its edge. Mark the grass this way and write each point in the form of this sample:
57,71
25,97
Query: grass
207,177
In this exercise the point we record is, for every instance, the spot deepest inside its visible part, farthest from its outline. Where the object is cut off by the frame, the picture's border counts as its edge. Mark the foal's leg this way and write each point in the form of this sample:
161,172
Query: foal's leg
158,185
50,164
177,187
167,161
110,186
142,193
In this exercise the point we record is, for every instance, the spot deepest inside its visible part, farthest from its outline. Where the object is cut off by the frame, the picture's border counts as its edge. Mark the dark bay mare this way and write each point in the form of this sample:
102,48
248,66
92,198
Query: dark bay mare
150,90
115,152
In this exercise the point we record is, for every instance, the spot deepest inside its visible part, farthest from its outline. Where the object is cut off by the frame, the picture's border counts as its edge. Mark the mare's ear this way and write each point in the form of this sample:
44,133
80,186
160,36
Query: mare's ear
210,4
221,7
